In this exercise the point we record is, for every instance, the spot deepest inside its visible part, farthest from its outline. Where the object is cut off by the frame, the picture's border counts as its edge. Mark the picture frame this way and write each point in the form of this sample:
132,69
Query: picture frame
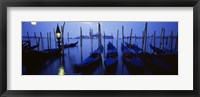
103,3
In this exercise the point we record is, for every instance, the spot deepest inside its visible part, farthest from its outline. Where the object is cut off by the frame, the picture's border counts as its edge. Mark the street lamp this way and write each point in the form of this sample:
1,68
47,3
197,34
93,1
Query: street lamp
58,36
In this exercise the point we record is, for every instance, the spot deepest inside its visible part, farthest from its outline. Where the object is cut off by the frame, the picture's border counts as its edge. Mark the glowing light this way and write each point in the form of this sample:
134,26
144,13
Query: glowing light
61,71
33,23
58,35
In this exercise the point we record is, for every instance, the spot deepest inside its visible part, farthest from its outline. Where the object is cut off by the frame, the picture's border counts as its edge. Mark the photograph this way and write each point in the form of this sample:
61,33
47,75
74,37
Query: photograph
57,48
99,47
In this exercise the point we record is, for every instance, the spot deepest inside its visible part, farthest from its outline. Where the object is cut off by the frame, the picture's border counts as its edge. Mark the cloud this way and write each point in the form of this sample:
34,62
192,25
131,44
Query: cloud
89,23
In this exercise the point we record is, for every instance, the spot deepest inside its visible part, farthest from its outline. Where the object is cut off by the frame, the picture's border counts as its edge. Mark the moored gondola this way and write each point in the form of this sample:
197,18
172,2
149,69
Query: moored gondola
160,63
90,64
37,60
157,50
134,47
133,63
26,46
70,45
111,59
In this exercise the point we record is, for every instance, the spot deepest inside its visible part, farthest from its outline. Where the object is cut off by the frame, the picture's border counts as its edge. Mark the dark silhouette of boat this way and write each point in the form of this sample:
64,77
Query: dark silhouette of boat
155,64
157,50
56,50
133,63
161,63
136,49
70,45
163,51
90,64
34,61
111,59
52,51
26,46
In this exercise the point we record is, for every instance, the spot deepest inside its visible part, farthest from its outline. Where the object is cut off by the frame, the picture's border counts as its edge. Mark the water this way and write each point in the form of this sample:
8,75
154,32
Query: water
72,56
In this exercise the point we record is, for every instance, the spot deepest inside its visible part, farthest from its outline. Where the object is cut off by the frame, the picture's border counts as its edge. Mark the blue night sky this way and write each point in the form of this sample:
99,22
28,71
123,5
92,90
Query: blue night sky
109,27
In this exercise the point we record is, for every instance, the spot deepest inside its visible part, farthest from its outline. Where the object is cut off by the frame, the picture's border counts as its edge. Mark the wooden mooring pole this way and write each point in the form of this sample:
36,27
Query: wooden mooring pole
130,37
117,38
62,29
135,38
35,38
67,37
104,44
112,37
163,39
123,34
47,41
154,43
166,42
28,36
42,40
143,41
176,45
161,33
29,39
99,35
171,47
55,37
145,37
91,40
36,42
80,36
151,38
68,40
81,43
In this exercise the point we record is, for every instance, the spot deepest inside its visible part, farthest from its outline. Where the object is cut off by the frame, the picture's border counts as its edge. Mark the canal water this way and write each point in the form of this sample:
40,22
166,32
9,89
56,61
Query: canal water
72,56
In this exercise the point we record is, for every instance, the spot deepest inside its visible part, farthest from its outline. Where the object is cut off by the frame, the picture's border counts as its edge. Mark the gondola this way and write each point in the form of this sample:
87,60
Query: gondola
90,64
133,63
164,51
136,49
160,63
157,50
54,51
34,61
70,45
26,46
158,66
111,59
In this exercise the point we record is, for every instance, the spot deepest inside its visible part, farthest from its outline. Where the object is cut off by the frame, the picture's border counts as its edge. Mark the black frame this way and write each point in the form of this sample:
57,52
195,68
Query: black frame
101,3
